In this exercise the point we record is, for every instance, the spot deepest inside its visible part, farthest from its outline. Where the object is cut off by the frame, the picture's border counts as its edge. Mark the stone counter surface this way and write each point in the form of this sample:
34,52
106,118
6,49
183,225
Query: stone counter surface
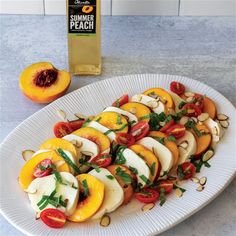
202,48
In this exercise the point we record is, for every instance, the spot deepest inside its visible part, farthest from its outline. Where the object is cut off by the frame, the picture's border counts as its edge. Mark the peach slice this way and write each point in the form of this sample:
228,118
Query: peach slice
89,206
113,121
42,82
26,173
165,96
127,188
204,141
95,136
137,109
172,146
209,107
55,143
149,158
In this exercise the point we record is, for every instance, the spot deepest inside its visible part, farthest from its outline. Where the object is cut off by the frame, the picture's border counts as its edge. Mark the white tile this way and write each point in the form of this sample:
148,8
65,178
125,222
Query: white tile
145,7
208,7
21,7
58,7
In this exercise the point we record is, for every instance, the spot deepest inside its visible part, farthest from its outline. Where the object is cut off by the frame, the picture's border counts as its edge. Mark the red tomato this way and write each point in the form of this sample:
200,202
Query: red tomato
102,160
53,218
167,185
61,129
147,195
76,124
44,168
167,126
140,130
177,131
192,110
125,139
177,87
121,101
186,170
199,101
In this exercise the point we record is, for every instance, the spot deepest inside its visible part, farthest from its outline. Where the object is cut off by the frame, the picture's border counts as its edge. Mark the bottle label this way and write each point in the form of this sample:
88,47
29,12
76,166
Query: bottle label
82,16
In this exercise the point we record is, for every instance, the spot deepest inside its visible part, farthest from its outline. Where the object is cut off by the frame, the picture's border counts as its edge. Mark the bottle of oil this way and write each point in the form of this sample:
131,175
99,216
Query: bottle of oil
84,36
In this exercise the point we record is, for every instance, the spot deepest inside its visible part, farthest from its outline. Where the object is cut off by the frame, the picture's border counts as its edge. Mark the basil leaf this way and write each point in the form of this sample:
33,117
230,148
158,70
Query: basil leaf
180,172
152,168
121,128
98,119
133,169
110,177
178,187
124,176
162,196
107,132
181,104
145,179
144,117
120,159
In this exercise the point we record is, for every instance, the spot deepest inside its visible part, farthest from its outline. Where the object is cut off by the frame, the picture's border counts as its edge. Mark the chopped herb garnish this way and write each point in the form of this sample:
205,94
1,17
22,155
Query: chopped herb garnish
85,188
133,169
131,122
162,116
121,128
164,174
160,140
41,167
206,164
107,132
138,187
162,196
180,114
86,123
94,166
191,125
180,172
98,119
168,118
145,179
171,138
110,177
152,168
58,177
117,102
181,104
181,189
124,176
68,161
120,159
118,121
144,117
44,201
73,186
154,122
62,203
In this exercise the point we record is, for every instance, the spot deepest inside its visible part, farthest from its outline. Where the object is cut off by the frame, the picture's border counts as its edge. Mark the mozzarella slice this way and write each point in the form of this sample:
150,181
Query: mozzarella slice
135,161
110,134
189,148
131,117
114,194
155,104
46,185
215,129
177,100
163,154
85,146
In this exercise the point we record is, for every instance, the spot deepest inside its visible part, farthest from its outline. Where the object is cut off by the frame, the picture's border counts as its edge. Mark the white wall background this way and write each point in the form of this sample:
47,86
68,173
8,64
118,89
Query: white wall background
127,7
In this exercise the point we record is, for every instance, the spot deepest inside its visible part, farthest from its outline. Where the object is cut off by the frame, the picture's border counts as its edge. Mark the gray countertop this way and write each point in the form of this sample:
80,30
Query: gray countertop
203,48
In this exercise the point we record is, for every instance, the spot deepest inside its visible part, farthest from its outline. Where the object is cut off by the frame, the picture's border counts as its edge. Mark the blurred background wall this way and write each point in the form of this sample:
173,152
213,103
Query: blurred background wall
127,7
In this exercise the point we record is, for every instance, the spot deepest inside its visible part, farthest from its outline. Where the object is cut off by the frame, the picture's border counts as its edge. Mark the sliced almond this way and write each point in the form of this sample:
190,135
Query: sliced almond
184,144
222,117
189,94
200,188
214,131
178,192
153,104
30,192
77,143
184,120
59,163
153,95
203,181
37,215
203,117
27,154
189,99
133,110
148,207
105,221
215,139
179,182
61,114
87,153
208,155
224,123
80,116
194,119
195,179
137,132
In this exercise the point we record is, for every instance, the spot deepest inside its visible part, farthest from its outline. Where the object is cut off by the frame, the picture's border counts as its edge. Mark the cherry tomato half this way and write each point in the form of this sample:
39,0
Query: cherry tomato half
177,87
192,110
53,218
125,139
167,185
61,129
102,160
44,168
121,101
186,170
199,101
177,131
140,130
147,195
167,126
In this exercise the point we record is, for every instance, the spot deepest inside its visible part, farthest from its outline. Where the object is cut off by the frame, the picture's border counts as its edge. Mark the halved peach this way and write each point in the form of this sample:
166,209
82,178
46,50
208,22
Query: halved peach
149,158
137,109
172,146
165,96
89,206
204,141
26,173
42,82
113,121
127,188
55,143
209,107
96,136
